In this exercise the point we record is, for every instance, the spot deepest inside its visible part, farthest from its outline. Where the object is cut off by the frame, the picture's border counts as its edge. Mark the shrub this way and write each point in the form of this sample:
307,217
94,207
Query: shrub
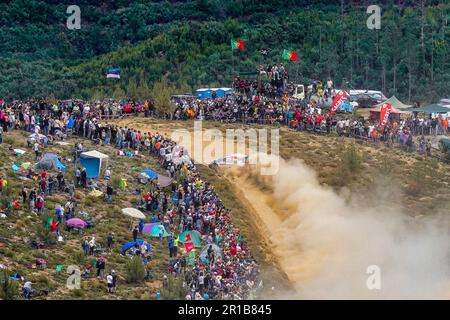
9,289
44,233
351,158
79,256
115,182
135,270
415,184
78,293
174,289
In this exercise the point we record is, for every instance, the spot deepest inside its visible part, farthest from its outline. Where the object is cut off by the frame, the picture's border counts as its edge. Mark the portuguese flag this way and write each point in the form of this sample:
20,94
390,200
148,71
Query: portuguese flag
290,55
237,44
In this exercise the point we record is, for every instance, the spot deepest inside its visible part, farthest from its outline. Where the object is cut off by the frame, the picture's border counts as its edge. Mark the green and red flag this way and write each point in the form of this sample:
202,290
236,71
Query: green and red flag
237,44
290,55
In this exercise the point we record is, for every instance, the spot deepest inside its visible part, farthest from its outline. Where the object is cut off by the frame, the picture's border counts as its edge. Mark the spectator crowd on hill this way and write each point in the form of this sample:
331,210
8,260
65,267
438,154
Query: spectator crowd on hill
188,204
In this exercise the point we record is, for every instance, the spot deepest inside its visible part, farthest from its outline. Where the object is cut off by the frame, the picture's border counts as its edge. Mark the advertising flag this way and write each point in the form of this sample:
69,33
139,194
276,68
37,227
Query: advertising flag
337,101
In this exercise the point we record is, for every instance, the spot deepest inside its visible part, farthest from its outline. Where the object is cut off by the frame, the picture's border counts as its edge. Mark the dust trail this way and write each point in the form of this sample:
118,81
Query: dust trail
325,244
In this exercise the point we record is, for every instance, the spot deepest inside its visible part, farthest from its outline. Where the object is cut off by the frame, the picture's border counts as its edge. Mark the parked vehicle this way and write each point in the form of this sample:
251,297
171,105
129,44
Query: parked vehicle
365,98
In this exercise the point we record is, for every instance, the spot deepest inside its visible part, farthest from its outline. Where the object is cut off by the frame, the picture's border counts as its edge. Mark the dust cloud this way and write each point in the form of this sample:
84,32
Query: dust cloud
326,243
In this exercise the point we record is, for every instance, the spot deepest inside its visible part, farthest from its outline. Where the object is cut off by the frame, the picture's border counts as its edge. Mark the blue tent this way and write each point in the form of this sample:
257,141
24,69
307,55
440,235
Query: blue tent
92,161
131,244
150,173
51,161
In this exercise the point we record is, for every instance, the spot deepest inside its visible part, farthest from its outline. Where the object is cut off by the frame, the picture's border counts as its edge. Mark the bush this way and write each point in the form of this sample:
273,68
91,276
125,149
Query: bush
9,289
78,293
174,289
115,182
44,233
79,257
415,184
351,158
135,270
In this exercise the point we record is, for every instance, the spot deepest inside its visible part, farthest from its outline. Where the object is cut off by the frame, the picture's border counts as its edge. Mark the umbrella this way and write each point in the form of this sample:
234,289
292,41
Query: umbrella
216,249
76,223
150,174
128,245
194,235
133,213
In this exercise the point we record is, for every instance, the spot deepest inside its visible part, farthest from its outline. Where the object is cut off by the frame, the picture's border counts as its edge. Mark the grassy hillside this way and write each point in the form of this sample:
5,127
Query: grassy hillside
22,226
188,42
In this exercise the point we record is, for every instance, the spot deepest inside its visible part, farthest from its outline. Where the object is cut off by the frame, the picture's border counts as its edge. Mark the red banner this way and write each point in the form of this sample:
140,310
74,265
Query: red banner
189,246
337,101
384,113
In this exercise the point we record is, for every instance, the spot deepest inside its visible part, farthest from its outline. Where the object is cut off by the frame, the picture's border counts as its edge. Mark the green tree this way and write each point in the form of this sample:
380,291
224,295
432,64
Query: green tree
9,289
135,270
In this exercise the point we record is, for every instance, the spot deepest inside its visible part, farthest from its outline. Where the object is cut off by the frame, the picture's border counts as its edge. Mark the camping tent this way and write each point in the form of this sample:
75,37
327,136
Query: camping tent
50,161
432,108
92,161
216,249
394,102
153,229
194,236
375,112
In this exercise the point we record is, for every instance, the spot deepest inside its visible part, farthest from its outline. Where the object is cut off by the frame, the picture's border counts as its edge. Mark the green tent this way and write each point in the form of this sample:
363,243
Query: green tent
432,108
393,101
190,261
196,238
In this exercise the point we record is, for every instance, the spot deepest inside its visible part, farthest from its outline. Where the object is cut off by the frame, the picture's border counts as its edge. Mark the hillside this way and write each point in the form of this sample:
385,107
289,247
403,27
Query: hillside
188,43
383,177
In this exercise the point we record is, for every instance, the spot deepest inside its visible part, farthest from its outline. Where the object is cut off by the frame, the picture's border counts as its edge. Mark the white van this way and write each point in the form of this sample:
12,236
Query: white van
299,92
